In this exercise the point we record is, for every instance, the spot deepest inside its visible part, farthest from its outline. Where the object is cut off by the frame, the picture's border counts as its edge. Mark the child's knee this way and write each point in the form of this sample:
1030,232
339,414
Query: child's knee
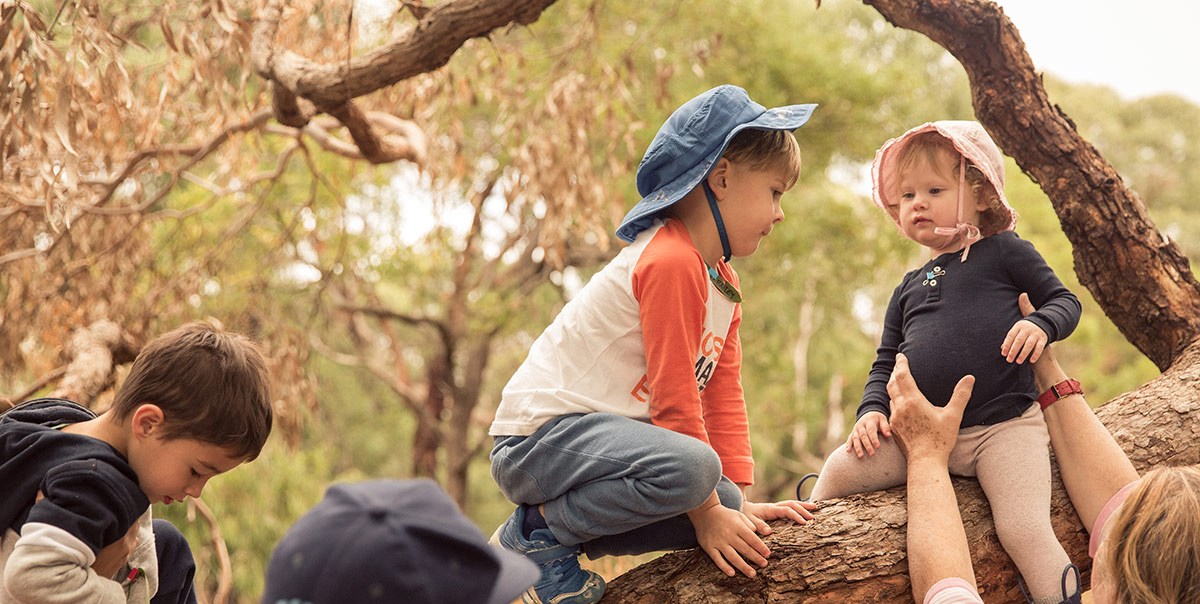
697,473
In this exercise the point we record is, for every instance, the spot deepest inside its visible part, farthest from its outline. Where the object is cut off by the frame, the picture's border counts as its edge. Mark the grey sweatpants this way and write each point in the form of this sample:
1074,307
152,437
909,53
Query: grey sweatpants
1011,461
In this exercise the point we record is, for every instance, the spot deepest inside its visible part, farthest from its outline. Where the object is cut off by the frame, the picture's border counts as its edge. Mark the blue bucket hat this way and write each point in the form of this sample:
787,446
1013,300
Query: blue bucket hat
391,541
688,146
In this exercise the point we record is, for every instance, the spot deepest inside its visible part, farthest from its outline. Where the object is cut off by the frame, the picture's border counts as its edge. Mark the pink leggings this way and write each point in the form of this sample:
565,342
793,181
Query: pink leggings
1012,464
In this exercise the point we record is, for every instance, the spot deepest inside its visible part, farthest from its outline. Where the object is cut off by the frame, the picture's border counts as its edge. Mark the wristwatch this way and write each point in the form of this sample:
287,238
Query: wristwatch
1064,388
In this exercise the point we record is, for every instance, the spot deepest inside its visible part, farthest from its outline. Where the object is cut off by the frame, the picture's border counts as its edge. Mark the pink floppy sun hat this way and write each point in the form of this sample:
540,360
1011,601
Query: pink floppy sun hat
974,145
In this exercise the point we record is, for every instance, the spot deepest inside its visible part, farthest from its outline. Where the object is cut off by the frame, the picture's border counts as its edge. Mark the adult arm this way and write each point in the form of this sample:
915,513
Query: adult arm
1092,464
937,542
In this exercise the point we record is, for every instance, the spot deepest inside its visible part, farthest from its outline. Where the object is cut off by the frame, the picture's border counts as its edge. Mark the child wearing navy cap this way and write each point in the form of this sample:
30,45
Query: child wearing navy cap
387,541
625,430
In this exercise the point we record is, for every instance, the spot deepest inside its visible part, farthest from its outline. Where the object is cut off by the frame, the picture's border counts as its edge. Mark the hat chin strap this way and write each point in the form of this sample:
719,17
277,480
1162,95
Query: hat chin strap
969,232
712,205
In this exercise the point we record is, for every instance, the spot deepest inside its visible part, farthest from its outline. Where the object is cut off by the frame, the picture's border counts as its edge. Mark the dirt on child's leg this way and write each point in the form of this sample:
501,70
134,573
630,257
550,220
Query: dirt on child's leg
845,474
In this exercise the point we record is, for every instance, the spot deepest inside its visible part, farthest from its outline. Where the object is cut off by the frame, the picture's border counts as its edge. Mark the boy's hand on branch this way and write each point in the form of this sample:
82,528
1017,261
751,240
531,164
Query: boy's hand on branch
865,435
760,513
727,536
1024,340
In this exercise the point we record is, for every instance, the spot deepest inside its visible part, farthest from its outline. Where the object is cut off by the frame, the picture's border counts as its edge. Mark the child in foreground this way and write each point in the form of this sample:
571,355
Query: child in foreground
625,430
78,487
943,185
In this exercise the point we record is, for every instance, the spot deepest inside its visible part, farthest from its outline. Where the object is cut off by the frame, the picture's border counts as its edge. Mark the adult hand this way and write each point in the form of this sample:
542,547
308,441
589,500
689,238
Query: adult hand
921,429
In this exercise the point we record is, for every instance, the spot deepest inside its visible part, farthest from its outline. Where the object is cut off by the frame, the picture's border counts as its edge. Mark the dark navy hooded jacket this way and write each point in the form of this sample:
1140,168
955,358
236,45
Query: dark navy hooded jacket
90,490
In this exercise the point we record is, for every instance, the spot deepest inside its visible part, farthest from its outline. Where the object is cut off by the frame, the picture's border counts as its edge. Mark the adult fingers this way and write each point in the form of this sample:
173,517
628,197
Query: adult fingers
1025,305
962,394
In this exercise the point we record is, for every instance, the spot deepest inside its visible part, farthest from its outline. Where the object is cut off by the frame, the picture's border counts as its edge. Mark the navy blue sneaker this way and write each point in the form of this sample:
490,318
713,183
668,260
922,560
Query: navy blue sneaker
563,581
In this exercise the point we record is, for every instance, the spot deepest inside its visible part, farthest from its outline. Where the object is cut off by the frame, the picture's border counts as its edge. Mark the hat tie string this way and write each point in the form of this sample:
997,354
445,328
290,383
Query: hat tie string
969,232
712,205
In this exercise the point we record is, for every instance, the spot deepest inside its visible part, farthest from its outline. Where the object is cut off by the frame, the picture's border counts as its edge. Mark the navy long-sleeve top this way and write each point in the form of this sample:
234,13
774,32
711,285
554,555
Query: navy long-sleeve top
950,318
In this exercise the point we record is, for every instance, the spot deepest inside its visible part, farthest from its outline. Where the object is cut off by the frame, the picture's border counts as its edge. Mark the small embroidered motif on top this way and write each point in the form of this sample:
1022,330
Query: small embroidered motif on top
931,276
726,288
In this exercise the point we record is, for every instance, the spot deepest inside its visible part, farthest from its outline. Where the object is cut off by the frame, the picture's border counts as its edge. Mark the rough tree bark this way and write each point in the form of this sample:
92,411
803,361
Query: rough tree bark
854,550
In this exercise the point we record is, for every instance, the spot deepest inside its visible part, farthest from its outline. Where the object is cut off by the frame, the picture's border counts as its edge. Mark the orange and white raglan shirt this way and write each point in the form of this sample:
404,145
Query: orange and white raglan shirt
650,338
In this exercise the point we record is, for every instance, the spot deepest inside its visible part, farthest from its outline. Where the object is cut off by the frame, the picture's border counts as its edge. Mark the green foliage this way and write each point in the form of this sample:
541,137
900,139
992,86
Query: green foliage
836,254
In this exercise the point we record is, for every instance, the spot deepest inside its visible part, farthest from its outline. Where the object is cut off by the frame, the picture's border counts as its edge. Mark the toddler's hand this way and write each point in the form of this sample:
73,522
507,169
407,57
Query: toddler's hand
1024,340
760,513
727,536
865,435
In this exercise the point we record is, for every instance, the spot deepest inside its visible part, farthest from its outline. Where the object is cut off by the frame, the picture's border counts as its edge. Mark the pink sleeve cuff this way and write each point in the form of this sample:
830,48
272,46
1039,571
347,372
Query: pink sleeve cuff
1105,513
953,590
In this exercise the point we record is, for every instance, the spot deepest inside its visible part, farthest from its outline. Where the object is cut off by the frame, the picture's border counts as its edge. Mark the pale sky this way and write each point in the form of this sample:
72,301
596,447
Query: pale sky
1138,48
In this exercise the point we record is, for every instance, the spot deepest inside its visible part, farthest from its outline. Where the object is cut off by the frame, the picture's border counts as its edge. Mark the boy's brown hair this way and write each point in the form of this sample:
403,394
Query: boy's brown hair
211,385
935,150
766,149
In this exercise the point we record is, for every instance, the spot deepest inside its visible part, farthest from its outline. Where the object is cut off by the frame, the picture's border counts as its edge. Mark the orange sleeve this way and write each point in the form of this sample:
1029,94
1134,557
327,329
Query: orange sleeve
671,290
725,418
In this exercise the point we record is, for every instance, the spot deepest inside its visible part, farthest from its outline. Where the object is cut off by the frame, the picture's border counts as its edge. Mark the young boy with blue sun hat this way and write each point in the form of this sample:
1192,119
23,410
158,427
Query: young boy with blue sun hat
625,429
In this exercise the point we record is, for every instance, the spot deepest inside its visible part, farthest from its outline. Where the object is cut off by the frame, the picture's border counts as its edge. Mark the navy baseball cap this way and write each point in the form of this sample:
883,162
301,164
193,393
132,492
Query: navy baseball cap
691,141
391,541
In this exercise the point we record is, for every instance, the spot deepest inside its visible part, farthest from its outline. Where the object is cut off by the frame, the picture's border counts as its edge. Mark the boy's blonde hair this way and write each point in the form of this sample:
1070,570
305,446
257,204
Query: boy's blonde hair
766,150
934,149
211,385
1152,548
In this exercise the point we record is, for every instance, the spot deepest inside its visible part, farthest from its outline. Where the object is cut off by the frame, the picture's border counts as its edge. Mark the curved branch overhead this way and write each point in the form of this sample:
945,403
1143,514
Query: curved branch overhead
332,88
1137,275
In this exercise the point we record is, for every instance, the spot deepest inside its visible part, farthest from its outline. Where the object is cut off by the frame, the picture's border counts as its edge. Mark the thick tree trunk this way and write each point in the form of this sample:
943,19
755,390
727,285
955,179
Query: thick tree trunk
854,550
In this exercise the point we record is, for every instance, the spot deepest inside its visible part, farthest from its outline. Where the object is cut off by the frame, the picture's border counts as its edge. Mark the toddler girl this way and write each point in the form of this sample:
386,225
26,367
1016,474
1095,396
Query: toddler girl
943,185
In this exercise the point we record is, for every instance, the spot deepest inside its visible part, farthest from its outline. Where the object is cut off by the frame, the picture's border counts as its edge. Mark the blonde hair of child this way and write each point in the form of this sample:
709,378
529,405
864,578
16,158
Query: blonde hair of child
937,151
1152,549
766,150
